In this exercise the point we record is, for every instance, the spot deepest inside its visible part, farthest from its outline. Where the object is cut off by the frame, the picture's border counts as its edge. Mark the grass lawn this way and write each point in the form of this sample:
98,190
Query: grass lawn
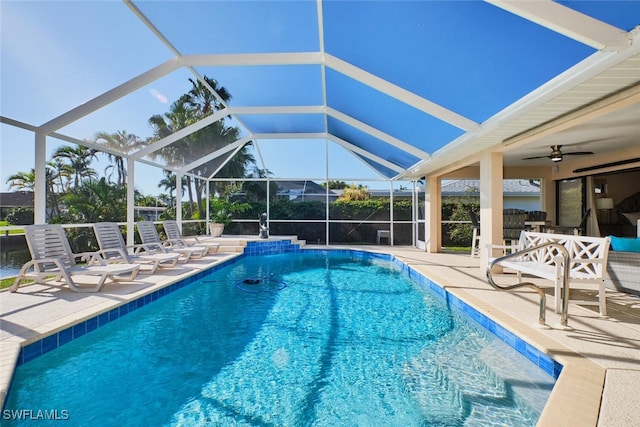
18,231
7,282
458,248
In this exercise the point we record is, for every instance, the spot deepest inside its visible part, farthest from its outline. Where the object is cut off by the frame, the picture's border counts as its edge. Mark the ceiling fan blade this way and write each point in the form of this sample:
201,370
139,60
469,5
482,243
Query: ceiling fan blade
537,157
579,153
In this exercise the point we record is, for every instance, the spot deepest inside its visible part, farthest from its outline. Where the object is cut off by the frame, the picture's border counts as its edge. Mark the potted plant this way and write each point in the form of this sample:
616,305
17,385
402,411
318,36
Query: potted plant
221,213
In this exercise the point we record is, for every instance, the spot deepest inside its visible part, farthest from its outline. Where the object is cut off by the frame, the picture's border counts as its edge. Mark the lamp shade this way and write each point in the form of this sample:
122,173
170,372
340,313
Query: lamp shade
604,203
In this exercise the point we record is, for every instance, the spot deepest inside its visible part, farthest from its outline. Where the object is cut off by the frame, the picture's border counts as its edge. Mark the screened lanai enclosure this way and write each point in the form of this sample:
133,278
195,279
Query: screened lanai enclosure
338,119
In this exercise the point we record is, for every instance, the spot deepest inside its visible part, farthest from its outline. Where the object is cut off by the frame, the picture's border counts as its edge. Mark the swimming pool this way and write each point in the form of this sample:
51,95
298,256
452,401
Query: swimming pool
350,340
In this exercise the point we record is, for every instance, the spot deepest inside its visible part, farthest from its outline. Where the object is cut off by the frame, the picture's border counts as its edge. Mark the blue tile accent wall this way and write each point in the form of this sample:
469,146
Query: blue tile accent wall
270,247
255,248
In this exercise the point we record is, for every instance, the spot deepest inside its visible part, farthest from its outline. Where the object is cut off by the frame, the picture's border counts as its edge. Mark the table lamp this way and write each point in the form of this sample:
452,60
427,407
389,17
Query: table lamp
605,204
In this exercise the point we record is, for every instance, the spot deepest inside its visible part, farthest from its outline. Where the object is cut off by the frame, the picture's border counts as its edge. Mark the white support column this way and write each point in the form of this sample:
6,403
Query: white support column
268,202
391,213
40,184
414,213
491,189
179,200
433,215
326,207
131,213
206,227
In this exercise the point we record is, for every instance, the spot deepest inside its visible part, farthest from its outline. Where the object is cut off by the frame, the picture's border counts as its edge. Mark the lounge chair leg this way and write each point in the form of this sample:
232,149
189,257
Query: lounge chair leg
20,276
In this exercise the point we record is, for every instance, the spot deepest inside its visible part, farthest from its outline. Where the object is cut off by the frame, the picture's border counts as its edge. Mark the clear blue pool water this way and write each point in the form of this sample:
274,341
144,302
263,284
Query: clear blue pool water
348,342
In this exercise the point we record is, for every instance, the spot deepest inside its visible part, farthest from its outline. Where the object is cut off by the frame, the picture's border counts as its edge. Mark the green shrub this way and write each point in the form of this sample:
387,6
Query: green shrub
20,216
460,234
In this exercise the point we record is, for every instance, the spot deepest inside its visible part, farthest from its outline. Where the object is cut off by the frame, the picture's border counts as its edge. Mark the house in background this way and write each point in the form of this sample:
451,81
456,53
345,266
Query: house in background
304,191
149,213
12,200
517,193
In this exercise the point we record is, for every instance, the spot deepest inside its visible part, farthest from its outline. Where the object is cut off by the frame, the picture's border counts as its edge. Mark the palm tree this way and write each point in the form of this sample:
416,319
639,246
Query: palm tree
216,135
179,116
96,201
26,181
79,160
203,100
191,107
22,181
62,172
169,184
121,141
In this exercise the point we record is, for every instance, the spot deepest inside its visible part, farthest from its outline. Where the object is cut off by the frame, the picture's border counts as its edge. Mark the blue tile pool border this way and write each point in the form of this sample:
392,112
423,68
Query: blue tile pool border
257,248
53,341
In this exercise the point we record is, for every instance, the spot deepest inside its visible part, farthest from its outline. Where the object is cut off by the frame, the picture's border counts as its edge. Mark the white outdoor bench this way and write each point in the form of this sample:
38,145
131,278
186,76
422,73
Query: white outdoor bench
587,262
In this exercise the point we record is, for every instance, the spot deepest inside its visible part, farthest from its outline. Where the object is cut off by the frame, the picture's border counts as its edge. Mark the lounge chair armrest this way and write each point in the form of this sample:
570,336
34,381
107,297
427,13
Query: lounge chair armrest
34,262
170,242
113,253
150,247
55,261
24,271
194,239
137,248
91,258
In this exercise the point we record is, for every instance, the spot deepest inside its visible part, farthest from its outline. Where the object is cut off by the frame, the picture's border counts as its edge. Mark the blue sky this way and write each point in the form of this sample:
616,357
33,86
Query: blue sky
54,59
470,57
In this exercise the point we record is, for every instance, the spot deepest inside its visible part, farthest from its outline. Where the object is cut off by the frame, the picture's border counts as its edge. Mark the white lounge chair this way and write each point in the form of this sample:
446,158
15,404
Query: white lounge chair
52,256
113,249
173,233
150,238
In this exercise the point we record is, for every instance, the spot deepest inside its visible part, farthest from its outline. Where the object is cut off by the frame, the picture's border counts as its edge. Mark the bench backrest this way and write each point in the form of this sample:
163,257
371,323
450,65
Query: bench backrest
588,254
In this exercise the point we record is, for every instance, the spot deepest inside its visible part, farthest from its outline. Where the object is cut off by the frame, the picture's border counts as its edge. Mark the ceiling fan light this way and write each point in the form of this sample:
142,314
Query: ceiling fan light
556,155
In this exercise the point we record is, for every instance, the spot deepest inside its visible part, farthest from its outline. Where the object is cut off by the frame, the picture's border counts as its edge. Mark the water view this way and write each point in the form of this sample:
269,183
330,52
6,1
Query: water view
12,258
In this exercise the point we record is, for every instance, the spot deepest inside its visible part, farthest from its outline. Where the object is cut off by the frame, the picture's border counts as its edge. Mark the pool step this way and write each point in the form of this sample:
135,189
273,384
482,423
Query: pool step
482,384
232,244
439,400
504,363
435,377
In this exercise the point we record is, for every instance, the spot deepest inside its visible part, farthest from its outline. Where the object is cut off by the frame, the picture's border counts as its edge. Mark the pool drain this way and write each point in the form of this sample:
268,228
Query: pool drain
261,284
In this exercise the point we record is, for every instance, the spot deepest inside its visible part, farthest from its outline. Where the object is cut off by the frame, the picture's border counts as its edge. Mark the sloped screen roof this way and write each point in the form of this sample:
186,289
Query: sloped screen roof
390,82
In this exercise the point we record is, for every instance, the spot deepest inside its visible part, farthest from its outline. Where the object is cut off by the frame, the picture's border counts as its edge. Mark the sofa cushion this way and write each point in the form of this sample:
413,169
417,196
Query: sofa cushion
625,244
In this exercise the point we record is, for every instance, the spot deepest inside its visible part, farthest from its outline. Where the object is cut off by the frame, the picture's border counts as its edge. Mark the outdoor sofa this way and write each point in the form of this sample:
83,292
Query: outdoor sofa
623,266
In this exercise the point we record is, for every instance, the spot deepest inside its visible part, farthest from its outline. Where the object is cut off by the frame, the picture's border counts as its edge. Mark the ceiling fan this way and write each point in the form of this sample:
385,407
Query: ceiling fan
557,155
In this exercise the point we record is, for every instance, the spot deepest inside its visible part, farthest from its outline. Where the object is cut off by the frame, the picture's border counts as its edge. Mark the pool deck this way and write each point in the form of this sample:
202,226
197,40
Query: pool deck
599,384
